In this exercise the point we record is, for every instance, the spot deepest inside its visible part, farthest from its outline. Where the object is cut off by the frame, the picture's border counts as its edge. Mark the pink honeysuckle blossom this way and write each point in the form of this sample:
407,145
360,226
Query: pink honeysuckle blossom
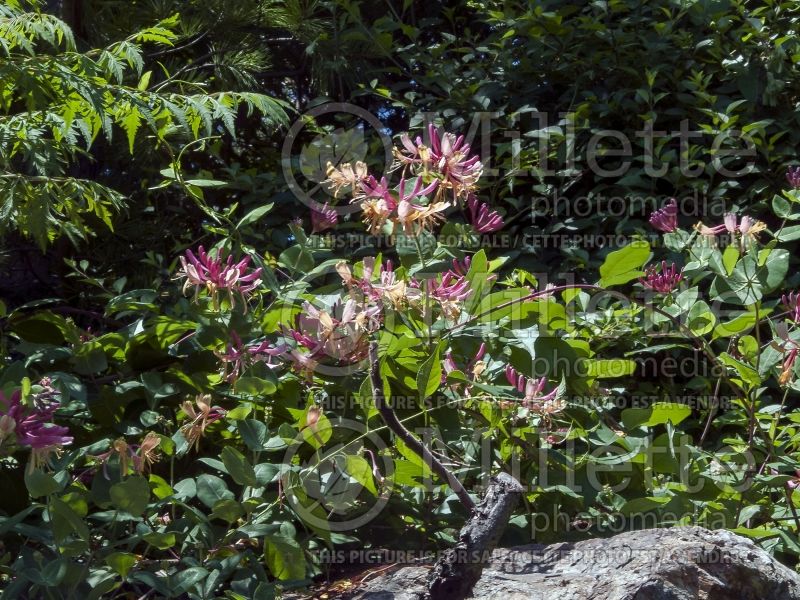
448,157
666,218
534,400
31,427
790,350
792,302
346,175
450,292
323,218
747,227
483,219
663,279
205,271
237,356
793,177
475,366
201,414
409,213
340,334
461,267
451,287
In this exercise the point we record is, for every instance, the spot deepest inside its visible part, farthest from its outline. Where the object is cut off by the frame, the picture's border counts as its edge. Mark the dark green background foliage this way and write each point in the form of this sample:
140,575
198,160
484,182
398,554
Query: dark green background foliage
133,131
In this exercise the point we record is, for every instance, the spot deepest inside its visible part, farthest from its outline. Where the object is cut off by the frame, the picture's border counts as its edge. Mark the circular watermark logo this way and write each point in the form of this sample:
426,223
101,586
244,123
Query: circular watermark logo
339,487
304,165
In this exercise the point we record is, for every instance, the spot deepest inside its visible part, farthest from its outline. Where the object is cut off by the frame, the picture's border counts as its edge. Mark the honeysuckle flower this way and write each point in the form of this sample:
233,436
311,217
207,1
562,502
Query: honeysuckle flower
793,177
323,219
448,157
211,273
451,287
32,427
663,279
461,267
376,212
450,293
139,457
340,334
482,218
346,175
750,228
201,414
792,302
147,453
395,290
534,400
409,213
790,350
237,356
234,360
666,218
267,352
475,366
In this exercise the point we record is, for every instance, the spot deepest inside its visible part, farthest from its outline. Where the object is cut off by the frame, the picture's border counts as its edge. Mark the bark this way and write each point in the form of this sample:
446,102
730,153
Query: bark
459,568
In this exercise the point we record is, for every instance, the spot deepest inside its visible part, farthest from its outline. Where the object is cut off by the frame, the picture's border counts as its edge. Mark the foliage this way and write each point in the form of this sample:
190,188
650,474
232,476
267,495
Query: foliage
56,101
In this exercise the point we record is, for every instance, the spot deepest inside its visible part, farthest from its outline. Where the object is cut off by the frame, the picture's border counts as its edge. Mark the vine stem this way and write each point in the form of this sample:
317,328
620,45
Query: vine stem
391,420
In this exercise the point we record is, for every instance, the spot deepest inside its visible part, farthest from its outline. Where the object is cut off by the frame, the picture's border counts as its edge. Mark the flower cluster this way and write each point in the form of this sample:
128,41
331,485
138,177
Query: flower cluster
340,334
31,427
793,177
323,218
663,279
535,399
483,219
200,414
443,167
666,218
748,228
474,369
139,457
447,158
792,302
237,357
211,273
450,291
390,288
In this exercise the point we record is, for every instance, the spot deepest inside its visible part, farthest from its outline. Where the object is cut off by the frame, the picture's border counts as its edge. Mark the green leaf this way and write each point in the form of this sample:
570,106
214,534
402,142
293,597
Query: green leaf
255,386
40,483
284,558
729,258
131,495
623,265
657,414
429,377
67,521
238,467
642,505
700,319
608,368
359,469
211,489
254,215
228,510
162,541
121,562
253,432
788,234
184,580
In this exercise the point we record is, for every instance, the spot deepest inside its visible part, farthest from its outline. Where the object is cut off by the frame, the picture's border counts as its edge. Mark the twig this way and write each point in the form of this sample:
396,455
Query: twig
391,420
